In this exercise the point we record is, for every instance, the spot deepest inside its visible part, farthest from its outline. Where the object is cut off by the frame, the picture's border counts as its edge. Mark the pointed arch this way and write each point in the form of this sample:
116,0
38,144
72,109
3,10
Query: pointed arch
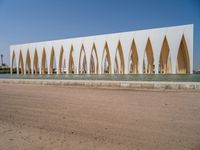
35,62
183,61
165,66
13,70
148,60
44,62
133,59
71,61
106,61
21,63
52,61
60,66
119,60
82,61
94,61
28,62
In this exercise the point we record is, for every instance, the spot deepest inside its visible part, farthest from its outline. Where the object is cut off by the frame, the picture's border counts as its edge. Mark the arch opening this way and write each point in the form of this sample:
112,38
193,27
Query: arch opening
133,59
183,62
71,67
119,60
94,61
106,62
82,62
35,63
44,63
148,60
28,63
165,66
52,66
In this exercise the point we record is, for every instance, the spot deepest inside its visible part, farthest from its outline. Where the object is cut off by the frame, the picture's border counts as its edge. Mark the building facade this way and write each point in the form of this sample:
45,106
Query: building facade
166,50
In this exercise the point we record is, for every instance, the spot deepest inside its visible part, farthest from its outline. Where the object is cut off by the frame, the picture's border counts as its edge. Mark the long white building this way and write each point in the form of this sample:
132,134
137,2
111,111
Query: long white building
166,50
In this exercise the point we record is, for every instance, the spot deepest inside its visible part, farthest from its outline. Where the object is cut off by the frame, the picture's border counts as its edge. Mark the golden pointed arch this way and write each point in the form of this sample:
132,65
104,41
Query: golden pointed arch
52,61
133,59
148,60
119,59
183,60
106,61
71,67
44,62
82,66
35,62
165,66
28,62
94,65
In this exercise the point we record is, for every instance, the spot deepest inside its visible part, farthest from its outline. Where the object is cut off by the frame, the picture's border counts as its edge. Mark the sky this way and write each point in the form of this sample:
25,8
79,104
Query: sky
25,21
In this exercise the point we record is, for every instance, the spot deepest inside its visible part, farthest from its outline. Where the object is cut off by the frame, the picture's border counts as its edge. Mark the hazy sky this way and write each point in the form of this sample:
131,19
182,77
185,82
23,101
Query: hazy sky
23,21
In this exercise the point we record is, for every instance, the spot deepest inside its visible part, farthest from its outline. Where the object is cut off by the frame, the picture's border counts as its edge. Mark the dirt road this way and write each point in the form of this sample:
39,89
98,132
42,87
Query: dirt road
34,117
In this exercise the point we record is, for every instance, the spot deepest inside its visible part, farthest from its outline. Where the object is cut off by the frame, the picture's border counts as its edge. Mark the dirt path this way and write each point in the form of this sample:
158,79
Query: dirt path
36,117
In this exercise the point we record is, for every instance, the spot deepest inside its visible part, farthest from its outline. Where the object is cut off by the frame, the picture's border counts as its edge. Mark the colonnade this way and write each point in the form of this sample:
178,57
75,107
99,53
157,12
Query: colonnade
154,51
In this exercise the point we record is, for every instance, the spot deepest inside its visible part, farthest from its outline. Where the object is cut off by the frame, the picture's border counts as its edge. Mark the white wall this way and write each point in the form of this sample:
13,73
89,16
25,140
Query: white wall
156,36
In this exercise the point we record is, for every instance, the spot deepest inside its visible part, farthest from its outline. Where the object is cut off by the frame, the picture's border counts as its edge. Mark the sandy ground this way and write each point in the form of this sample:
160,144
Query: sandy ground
34,117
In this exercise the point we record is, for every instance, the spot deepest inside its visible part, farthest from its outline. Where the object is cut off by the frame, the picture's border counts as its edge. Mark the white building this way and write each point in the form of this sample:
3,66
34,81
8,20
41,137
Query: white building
161,51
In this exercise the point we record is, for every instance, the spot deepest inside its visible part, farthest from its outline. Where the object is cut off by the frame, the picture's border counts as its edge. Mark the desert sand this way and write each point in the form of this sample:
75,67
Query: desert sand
36,117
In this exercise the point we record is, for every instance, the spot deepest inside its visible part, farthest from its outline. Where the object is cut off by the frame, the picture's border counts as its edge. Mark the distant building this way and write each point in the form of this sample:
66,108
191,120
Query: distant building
2,60
196,71
154,51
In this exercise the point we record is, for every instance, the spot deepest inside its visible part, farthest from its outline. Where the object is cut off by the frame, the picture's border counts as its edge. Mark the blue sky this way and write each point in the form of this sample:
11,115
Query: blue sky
23,21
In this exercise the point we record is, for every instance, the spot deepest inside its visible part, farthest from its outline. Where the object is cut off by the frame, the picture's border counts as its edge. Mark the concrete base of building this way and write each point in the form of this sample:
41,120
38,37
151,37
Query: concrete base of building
137,85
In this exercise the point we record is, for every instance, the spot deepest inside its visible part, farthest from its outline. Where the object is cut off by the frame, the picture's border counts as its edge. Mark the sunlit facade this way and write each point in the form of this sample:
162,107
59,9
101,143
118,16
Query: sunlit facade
166,50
